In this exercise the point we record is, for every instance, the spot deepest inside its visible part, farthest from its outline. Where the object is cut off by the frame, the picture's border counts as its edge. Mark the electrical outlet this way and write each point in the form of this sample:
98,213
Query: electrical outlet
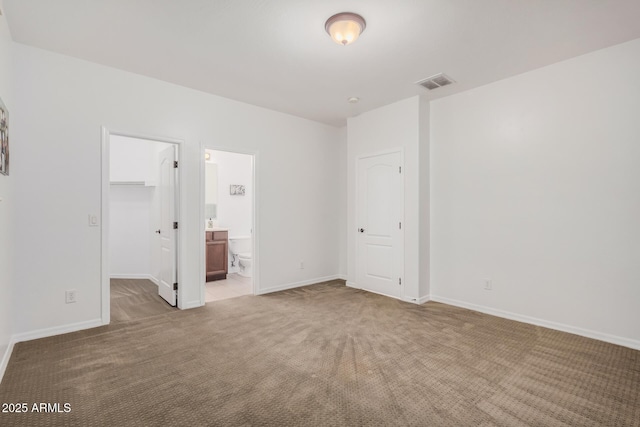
301,264
93,220
70,296
487,284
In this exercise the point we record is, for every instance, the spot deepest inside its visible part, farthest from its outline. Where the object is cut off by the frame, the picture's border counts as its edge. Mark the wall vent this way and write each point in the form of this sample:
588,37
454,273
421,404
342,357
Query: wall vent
436,81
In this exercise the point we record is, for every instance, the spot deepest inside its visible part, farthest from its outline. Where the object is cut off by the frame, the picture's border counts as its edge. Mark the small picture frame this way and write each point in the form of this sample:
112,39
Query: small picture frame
236,190
4,139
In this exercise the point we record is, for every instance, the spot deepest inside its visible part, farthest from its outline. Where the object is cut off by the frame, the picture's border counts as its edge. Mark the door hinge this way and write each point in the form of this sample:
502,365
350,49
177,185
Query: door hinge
399,169
175,225
400,225
175,286
175,163
399,280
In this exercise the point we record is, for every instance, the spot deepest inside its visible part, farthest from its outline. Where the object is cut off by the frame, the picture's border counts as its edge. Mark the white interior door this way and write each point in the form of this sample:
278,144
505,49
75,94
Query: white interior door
380,209
168,234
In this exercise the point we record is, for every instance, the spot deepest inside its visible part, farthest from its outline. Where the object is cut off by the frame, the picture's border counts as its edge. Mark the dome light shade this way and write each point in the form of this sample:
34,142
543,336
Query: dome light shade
344,28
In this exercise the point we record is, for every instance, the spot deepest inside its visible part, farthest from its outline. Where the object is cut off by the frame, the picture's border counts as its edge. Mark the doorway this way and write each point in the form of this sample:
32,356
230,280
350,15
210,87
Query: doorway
140,211
379,217
229,224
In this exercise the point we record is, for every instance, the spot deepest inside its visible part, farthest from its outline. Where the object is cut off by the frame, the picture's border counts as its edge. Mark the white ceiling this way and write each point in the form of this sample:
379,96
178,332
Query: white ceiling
276,54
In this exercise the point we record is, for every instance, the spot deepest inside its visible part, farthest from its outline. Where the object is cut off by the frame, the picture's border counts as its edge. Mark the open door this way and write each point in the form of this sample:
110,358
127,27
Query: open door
168,225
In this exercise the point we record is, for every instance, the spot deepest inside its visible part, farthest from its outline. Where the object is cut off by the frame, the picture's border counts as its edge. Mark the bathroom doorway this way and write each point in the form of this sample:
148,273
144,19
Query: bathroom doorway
228,212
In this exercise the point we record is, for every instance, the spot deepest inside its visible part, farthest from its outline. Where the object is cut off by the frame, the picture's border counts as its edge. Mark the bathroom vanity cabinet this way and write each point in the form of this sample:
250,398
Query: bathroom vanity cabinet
217,255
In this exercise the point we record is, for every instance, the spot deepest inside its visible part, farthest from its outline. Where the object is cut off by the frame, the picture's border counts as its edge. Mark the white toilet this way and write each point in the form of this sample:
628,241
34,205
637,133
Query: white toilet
240,248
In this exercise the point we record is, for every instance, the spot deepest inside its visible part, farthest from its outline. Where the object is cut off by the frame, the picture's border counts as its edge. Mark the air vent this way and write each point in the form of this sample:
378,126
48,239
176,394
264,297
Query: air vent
434,82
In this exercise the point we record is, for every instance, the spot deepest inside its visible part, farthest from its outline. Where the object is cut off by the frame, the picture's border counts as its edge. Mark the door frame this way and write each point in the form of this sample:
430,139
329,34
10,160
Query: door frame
399,150
105,294
255,258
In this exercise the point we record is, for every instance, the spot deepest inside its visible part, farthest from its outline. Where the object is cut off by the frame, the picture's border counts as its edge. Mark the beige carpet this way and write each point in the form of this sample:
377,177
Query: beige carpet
324,355
133,299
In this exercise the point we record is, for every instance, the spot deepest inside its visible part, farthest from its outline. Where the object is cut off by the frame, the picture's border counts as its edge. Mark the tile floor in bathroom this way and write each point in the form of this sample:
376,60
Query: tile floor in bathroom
233,286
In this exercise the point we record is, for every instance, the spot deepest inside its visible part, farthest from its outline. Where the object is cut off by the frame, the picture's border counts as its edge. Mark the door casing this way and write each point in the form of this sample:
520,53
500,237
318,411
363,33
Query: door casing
105,295
255,259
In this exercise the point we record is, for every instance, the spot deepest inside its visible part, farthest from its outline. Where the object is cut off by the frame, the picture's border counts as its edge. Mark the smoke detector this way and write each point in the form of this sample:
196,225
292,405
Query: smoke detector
435,81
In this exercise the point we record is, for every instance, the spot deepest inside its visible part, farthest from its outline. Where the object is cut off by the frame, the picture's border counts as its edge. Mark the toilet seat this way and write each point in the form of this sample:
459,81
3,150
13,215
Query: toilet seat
245,255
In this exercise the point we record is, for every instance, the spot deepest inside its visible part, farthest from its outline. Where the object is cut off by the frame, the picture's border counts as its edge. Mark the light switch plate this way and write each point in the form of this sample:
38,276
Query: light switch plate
93,220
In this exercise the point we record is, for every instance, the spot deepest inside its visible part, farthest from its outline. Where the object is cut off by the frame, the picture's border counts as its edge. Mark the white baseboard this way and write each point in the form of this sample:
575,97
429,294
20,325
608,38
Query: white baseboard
58,330
418,301
297,284
412,300
424,299
342,277
5,358
613,339
134,276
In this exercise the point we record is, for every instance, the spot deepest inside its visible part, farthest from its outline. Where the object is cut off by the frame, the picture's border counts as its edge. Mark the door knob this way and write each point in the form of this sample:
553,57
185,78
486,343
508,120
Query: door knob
361,230
158,231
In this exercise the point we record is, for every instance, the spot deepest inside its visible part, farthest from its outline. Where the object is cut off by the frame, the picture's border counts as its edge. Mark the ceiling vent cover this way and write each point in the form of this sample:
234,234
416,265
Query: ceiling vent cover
436,81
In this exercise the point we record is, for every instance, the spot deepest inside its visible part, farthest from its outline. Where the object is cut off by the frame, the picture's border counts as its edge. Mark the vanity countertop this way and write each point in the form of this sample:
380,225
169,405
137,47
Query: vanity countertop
216,229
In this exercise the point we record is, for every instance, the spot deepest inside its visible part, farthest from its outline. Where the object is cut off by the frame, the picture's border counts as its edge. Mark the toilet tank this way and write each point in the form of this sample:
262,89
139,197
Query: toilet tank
240,244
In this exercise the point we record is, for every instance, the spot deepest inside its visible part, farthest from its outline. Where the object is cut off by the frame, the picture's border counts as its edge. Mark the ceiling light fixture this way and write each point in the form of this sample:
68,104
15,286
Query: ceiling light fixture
353,100
344,28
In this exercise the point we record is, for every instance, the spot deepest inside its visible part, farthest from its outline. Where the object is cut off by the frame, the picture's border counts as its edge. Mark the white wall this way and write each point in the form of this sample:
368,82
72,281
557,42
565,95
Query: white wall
7,205
393,126
536,185
424,198
130,231
341,173
62,105
234,212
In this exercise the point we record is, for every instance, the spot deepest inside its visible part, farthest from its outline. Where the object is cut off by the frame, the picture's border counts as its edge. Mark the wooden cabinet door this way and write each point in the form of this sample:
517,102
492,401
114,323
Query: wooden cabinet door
217,255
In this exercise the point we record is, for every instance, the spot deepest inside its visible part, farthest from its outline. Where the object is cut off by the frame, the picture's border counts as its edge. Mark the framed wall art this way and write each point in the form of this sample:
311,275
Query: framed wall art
236,190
